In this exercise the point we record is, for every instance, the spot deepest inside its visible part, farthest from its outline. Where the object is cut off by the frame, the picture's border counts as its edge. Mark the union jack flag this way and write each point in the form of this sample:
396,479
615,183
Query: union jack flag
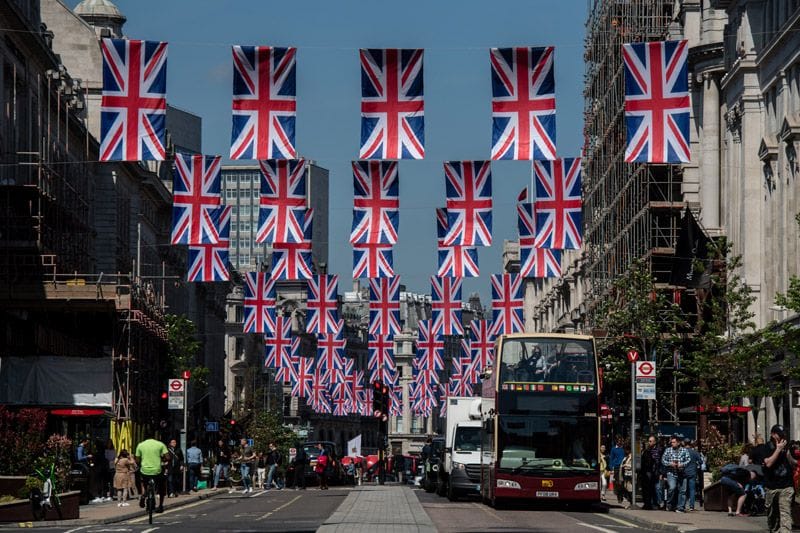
259,303
209,262
446,306
558,203
539,262
330,349
381,359
287,373
481,344
278,349
373,261
469,203
657,102
340,379
384,306
195,194
294,260
507,304
523,103
458,385
133,107
355,380
264,102
392,104
341,405
323,304
320,394
301,387
454,261
376,202
469,372
364,403
429,348
396,400
282,201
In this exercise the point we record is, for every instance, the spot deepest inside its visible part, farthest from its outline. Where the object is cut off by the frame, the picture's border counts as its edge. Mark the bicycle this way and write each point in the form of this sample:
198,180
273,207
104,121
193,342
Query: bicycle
47,498
150,499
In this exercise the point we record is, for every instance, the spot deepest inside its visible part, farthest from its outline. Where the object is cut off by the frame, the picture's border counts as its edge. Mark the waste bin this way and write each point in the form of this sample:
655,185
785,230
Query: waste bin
79,477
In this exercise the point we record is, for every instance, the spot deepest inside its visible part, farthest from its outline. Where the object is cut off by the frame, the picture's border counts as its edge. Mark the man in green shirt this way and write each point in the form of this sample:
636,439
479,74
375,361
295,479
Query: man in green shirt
151,454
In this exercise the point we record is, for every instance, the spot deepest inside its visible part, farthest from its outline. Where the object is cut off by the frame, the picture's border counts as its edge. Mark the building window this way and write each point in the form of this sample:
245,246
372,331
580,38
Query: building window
417,425
239,313
231,179
244,193
244,210
239,349
246,179
234,227
399,424
230,194
246,227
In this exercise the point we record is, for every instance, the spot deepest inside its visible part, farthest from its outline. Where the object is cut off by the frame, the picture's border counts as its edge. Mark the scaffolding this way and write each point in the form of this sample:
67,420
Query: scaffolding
632,210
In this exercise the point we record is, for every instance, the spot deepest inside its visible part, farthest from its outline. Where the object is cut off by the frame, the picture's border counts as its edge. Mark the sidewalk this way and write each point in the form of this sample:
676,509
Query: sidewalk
386,508
706,520
109,513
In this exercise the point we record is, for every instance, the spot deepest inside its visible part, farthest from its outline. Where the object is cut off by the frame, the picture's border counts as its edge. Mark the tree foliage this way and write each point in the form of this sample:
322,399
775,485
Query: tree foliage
23,439
728,356
265,427
183,350
635,316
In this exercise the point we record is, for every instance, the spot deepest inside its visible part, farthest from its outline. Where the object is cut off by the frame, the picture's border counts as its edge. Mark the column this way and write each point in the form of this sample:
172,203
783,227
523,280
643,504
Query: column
709,181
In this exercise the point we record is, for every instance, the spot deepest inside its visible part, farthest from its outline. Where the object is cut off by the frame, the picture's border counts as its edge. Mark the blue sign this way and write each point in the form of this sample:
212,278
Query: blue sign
250,442
212,427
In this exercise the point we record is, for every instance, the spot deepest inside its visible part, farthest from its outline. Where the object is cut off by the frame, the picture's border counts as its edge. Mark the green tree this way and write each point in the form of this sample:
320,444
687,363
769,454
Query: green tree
635,316
728,356
183,350
265,427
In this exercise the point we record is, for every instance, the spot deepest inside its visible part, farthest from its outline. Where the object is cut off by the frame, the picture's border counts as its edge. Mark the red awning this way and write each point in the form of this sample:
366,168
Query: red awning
721,409
77,412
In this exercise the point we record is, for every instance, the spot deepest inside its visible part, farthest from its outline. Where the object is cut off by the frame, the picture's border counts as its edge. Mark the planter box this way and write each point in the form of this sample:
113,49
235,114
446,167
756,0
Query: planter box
20,510
11,485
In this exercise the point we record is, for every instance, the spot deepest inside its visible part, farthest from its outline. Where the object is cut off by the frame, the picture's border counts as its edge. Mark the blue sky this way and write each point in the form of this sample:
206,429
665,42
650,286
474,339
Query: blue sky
456,36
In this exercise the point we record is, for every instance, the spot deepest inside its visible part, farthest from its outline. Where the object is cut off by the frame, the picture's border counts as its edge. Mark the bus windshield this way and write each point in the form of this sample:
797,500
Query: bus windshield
548,445
547,360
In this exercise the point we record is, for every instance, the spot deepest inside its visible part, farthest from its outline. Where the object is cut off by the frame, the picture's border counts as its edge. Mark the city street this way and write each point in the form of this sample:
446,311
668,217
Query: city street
285,510
470,514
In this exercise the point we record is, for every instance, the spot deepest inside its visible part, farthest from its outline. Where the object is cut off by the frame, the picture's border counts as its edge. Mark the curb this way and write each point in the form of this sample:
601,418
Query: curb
110,520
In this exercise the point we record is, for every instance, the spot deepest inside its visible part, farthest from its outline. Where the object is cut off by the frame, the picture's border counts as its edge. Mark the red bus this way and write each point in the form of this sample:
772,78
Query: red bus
540,420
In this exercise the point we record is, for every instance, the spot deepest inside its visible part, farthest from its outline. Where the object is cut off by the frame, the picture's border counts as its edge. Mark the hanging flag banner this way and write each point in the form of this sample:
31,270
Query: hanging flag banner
264,102
558,205
196,193
392,104
133,106
657,102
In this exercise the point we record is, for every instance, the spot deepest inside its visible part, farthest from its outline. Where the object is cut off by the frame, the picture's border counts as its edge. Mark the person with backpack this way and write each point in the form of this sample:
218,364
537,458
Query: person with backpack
321,468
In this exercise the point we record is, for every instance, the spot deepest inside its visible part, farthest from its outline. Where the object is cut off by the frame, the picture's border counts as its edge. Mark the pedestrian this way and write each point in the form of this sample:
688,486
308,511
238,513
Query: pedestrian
260,465
651,474
744,459
626,471
246,464
273,462
321,468
690,471
124,465
734,479
110,455
617,455
174,469
778,468
300,462
222,468
604,472
675,459
194,463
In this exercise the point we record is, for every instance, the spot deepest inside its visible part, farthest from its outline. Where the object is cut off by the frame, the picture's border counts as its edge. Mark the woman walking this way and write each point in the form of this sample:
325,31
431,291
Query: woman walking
322,467
124,466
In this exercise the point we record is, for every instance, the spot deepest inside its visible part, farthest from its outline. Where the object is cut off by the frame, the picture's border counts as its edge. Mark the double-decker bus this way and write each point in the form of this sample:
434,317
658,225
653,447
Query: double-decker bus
540,420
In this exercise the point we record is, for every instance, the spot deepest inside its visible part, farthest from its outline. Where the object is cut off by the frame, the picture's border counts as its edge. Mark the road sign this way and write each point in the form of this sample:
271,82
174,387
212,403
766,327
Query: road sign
645,370
176,394
633,356
646,391
212,427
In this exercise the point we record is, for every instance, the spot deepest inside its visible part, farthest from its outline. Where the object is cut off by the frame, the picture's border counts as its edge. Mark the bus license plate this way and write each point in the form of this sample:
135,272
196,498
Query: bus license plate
546,494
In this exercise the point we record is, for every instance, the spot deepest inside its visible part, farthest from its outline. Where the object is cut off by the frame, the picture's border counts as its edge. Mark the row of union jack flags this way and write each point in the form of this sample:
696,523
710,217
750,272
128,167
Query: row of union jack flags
264,104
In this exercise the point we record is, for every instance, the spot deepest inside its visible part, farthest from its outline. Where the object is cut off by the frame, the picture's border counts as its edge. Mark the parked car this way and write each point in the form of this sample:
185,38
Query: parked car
336,475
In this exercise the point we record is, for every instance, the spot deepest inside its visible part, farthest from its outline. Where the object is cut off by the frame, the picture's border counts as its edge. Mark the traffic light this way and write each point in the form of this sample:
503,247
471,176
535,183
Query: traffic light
163,406
380,400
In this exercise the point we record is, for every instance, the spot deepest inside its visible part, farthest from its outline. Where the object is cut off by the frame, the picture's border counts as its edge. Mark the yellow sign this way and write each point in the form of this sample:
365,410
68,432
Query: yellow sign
547,483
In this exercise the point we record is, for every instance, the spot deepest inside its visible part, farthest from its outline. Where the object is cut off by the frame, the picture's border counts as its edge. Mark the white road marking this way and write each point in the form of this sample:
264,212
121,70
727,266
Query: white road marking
486,509
149,530
598,528
73,530
257,494
287,504
620,521
170,511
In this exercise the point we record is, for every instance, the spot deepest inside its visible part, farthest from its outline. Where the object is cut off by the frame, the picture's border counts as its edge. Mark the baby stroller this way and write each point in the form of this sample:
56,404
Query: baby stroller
755,501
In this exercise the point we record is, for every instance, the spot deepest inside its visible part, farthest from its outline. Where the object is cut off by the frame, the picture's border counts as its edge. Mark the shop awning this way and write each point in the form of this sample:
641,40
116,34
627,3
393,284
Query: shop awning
718,409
